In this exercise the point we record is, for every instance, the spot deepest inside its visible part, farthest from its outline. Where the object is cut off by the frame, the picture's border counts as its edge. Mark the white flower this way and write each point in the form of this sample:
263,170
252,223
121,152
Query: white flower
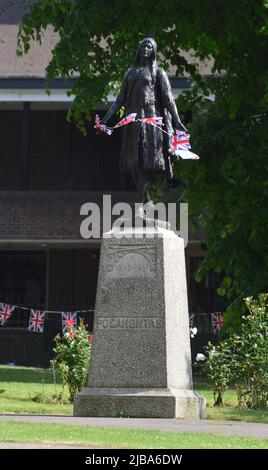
200,357
193,331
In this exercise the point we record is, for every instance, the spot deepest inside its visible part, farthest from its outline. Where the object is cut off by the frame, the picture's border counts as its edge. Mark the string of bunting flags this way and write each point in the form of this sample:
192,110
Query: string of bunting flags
216,320
180,140
37,318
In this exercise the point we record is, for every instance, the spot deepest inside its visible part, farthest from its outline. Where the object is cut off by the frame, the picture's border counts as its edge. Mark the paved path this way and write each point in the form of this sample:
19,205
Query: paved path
228,428
33,445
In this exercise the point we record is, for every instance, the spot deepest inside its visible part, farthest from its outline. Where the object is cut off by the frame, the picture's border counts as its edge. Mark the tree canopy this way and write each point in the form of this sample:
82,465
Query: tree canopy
227,189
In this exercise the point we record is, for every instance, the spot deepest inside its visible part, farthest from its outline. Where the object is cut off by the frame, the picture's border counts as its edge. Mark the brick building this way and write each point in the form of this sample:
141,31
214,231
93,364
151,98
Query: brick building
48,170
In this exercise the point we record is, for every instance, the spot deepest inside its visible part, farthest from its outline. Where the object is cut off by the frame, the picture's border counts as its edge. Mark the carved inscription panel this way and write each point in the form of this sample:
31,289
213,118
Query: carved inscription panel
133,262
129,323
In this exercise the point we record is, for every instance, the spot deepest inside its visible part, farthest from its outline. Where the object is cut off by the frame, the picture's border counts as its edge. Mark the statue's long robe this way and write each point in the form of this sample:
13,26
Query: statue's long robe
145,143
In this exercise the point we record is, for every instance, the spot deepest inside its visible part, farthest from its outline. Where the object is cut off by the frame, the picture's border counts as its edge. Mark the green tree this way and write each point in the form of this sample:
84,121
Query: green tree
227,189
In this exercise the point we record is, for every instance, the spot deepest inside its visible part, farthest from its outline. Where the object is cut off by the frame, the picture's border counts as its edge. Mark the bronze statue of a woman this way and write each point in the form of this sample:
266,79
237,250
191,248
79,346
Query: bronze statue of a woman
146,90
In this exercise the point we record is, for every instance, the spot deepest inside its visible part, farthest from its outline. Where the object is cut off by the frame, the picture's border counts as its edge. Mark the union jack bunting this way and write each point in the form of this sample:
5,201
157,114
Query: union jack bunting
68,319
5,312
191,320
181,141
181,146
36,322
126,120
101,127
132,117
217,321
158,120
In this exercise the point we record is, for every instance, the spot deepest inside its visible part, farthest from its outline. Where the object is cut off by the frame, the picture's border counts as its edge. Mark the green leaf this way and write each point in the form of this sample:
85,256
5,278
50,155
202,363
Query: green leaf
221,291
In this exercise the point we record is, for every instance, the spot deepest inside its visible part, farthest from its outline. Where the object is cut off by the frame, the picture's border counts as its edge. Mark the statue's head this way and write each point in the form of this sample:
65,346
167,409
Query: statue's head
147,49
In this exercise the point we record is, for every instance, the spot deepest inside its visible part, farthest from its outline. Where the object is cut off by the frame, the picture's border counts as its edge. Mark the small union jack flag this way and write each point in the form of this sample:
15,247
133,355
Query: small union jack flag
181,141
157,120
127,120
5,312
36,322
101,127
217,321
181,146
191,320
69,319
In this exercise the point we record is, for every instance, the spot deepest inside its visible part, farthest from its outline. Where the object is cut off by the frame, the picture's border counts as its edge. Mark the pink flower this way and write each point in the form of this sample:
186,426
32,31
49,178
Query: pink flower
70,323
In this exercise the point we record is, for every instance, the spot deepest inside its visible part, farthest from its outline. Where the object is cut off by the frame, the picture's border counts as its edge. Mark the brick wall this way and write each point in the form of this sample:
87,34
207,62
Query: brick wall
60,156
48,214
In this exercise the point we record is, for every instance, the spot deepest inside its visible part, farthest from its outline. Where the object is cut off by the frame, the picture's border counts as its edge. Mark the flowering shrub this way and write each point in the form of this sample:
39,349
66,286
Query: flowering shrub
217,367
72,353
242,360
250,348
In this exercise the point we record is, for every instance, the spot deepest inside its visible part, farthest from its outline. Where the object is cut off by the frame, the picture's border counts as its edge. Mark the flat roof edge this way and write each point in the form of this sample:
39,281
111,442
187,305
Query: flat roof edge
25,82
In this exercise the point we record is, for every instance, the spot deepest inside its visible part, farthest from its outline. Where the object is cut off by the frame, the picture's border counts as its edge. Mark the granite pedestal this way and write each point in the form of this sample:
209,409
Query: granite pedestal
140,361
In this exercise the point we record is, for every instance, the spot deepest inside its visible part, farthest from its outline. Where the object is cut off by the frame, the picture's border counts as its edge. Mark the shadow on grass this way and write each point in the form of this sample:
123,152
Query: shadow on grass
238,414
201,382
26,375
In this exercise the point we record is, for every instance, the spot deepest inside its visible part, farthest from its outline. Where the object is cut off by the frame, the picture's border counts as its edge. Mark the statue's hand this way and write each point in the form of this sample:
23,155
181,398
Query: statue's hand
101,123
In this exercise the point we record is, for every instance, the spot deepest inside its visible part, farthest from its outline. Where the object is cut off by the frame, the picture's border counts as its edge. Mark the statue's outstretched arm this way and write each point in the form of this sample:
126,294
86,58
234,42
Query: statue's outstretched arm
172,108
169,101
112,111
119,102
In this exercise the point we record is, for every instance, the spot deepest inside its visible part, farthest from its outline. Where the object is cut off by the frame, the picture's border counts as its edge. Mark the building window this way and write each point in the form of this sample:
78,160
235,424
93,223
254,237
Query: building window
22,279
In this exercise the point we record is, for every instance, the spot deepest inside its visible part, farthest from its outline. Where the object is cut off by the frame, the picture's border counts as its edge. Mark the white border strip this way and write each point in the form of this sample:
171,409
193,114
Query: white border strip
31,95
56,95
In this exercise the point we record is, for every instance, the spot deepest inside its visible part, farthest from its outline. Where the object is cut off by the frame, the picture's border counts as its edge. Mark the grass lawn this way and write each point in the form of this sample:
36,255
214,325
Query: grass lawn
122,438
30,390
229,411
